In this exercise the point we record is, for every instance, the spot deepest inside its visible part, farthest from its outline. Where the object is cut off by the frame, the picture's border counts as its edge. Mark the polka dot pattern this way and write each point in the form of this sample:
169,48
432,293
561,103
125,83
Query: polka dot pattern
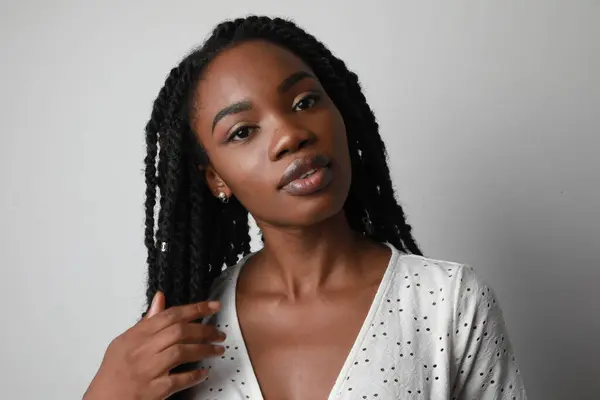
434,331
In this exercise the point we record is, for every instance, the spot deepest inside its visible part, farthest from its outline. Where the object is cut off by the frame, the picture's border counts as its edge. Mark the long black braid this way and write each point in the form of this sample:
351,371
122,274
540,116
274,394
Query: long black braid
196,234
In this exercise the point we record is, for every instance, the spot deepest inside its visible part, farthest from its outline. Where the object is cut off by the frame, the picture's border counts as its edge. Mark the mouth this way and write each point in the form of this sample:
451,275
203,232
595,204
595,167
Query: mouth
306,175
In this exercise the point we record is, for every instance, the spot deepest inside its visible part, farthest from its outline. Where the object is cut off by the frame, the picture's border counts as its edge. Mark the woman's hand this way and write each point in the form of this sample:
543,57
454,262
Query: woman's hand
137,363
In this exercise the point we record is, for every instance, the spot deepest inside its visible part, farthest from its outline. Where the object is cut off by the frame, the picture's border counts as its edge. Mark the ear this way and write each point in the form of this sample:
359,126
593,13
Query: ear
214,181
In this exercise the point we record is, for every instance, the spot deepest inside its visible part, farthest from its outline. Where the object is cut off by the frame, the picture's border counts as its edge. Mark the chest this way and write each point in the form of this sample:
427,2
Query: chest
298,351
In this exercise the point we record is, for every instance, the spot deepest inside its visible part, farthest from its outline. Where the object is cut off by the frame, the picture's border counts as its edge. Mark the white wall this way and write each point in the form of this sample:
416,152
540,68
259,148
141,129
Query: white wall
491,111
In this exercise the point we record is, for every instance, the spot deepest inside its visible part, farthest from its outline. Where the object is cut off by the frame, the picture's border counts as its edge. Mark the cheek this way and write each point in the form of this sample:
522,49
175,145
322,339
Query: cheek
245,170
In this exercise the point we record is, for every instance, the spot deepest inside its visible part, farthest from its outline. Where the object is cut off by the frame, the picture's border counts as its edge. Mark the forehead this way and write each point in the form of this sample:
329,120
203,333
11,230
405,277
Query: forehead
251,68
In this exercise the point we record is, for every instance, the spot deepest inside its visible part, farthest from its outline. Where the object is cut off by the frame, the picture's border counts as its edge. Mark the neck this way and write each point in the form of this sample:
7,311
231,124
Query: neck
298,262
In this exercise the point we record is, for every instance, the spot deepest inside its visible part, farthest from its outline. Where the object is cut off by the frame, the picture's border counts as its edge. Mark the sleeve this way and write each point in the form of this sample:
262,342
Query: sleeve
485,364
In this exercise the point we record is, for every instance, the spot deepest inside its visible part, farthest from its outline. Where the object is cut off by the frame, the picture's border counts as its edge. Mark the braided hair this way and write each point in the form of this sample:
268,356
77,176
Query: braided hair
196,235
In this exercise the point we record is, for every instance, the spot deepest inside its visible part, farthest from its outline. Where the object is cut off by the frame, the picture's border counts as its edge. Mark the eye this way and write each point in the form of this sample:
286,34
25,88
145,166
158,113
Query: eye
240,134
307,102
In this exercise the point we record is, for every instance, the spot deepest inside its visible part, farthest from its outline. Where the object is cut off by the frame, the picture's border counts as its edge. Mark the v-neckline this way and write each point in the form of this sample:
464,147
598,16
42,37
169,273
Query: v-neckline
254,386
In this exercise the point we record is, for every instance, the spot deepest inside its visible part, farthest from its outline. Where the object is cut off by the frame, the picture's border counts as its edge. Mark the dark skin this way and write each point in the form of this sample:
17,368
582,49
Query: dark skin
303,298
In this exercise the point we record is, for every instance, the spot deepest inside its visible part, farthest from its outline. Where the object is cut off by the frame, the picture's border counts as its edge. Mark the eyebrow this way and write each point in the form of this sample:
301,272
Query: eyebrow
234,108
292,80
246,105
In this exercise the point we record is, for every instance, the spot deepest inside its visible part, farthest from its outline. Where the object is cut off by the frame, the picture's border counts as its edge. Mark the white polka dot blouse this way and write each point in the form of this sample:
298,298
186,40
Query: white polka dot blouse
433,331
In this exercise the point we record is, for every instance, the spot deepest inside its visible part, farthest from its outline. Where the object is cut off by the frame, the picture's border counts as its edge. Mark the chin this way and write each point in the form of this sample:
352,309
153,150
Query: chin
306,211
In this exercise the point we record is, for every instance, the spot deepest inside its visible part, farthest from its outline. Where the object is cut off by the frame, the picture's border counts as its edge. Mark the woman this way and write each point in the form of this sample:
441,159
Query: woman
339,303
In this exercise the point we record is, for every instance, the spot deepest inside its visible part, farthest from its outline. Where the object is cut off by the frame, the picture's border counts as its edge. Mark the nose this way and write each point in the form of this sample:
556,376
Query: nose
288,139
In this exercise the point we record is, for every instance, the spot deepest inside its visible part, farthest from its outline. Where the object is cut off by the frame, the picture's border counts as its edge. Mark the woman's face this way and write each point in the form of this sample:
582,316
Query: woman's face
264,120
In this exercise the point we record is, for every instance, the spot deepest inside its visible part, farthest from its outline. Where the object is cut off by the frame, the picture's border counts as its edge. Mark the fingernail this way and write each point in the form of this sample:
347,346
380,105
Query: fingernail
219,349
213,305
203,375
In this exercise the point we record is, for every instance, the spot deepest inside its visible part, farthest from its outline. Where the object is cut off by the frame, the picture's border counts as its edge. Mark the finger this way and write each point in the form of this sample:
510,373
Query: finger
158,304
184,333
168,385
185,313
204,334
179,354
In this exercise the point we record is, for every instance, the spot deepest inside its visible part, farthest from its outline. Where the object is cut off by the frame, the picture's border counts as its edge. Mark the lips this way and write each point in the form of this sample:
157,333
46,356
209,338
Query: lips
303,168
